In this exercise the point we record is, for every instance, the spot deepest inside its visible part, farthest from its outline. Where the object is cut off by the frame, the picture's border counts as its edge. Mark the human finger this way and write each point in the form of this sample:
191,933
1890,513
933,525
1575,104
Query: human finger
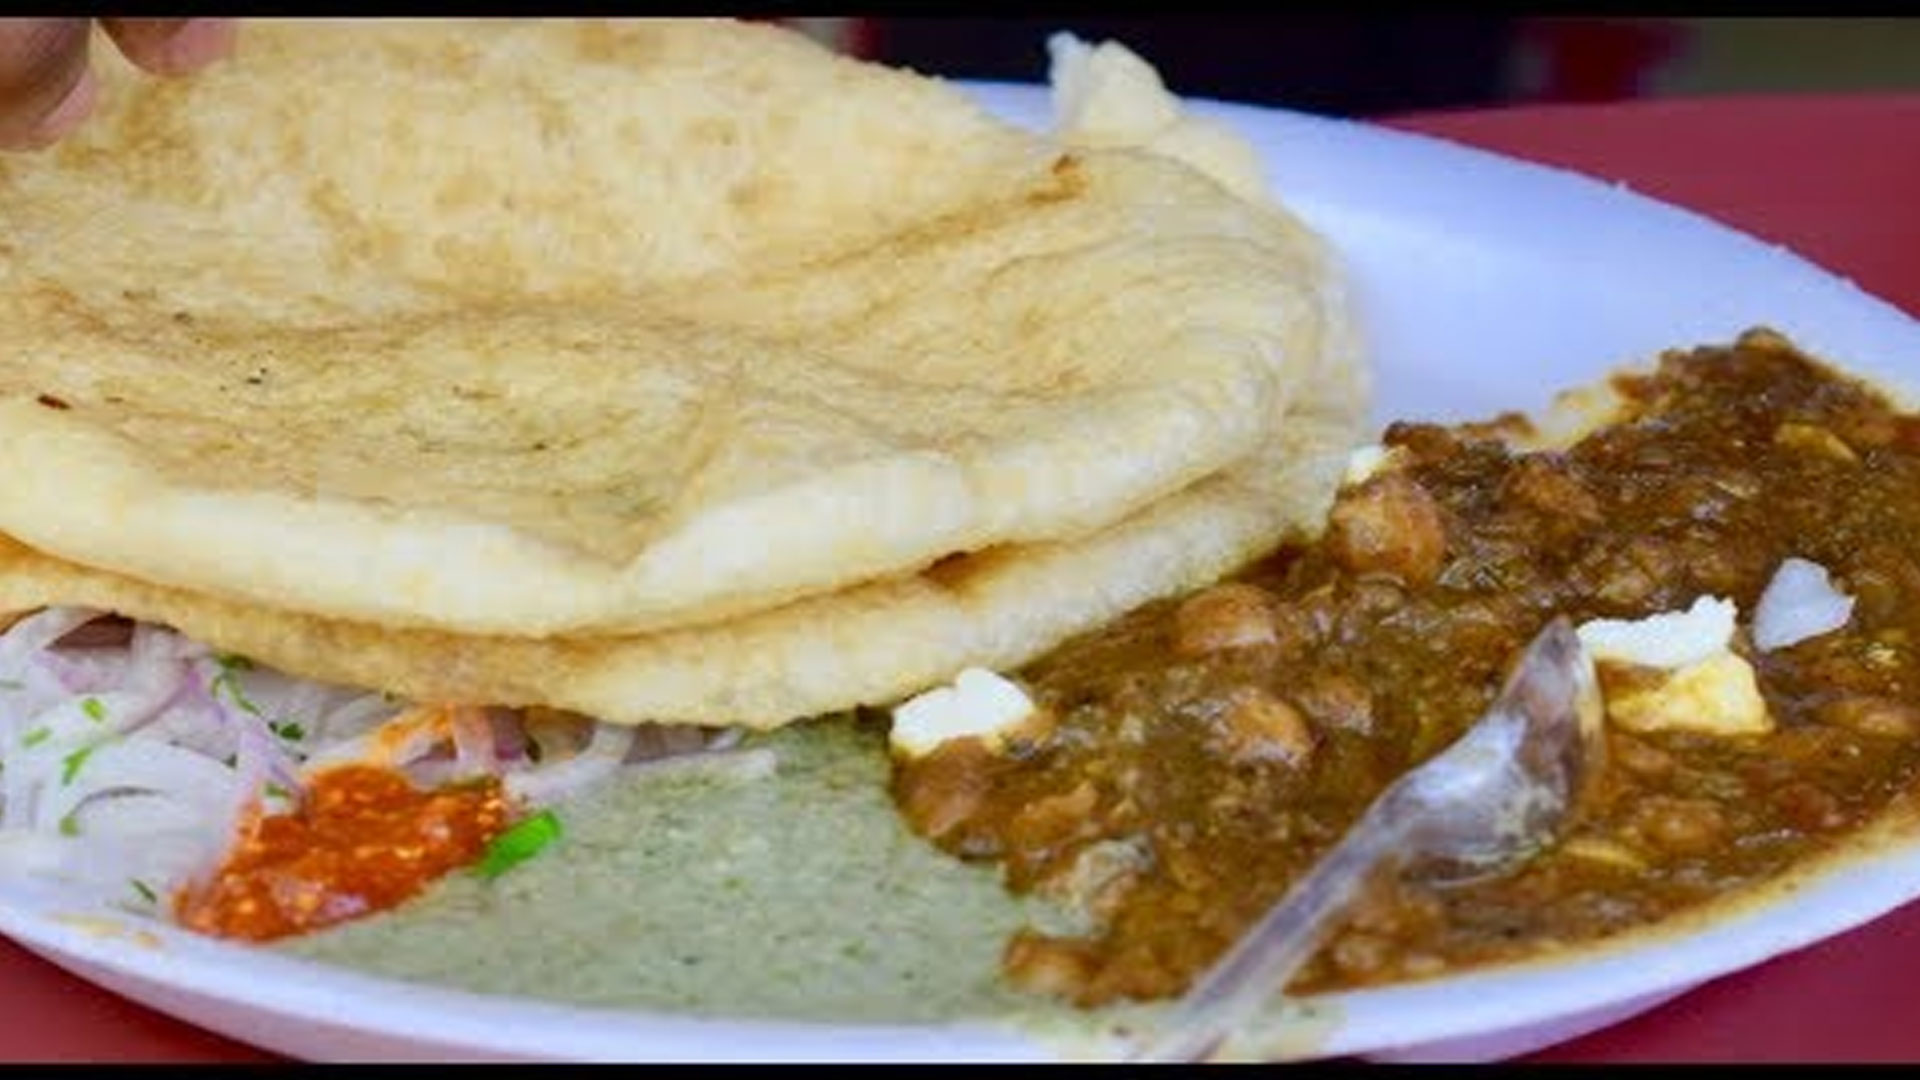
171,46
45,87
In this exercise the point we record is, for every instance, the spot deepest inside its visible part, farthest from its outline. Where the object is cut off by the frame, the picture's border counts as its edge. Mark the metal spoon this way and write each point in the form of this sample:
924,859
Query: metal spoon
1493,799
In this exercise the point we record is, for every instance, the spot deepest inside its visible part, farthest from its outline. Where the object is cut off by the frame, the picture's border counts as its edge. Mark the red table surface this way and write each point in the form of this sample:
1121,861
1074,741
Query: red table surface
1836,179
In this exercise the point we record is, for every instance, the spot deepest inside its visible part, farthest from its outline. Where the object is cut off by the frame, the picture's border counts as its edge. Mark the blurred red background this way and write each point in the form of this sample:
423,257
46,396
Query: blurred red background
1339,65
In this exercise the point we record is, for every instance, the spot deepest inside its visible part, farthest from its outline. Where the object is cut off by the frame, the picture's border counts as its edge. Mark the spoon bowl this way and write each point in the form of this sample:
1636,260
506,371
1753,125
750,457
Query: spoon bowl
1493,799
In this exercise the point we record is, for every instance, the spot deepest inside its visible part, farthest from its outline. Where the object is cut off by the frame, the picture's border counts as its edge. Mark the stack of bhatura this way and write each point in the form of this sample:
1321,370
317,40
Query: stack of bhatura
663,371
666,372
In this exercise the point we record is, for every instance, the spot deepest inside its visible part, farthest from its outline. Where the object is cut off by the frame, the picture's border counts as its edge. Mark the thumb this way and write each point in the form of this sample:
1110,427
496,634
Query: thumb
45,87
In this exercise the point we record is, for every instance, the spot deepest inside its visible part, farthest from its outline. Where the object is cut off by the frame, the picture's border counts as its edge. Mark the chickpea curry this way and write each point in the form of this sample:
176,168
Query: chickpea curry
1185,765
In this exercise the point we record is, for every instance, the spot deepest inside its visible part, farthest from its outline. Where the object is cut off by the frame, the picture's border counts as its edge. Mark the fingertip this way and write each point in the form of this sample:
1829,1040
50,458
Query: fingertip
42,65
64,117
194,45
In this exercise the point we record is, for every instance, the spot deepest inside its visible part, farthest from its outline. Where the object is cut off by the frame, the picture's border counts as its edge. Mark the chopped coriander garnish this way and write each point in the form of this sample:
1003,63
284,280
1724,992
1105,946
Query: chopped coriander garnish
35,737
275,791
95,711
70,825
231,761
70,765
226,681
518,844
12,684
145,892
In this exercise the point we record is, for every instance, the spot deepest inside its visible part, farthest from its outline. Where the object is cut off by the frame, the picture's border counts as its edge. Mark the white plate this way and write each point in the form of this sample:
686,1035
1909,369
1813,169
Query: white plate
1486,284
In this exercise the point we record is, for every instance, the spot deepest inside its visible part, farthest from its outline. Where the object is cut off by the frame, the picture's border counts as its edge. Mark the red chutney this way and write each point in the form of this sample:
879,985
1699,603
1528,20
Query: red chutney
364,840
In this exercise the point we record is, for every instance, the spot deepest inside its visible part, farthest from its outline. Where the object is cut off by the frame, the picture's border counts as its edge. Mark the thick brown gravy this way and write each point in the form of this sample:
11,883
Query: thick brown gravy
1197,756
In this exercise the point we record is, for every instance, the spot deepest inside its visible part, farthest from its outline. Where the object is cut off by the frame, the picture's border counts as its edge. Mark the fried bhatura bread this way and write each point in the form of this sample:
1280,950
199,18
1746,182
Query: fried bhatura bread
869,644
540,329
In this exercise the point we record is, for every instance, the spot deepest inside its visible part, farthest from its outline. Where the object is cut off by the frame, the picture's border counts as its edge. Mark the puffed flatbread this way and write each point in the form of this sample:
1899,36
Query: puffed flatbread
544,329
867,645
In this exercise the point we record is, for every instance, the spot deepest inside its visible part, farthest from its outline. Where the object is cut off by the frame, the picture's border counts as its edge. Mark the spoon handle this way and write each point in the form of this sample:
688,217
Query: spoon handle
1268,955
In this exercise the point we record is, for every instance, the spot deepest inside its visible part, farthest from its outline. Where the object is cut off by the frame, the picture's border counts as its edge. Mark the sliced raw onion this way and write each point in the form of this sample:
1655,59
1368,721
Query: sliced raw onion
601,758
132,758
1799,603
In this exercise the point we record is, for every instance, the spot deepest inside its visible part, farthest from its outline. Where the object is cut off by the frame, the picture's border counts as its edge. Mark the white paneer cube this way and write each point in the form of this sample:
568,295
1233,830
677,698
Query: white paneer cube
1708,688
1717,696
979,703
1671,639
